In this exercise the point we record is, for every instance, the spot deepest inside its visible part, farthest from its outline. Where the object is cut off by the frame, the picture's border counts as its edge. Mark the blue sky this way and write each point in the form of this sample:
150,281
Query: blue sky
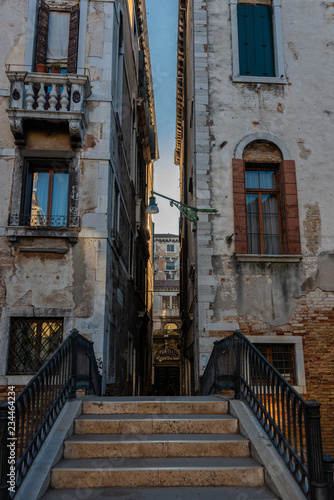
162,31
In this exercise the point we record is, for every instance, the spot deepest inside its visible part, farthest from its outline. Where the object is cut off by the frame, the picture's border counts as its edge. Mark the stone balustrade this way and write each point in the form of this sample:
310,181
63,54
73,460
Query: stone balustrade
50,97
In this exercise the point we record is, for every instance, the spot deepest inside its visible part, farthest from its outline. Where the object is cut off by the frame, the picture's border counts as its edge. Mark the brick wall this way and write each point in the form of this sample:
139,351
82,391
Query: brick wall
313,320
4,391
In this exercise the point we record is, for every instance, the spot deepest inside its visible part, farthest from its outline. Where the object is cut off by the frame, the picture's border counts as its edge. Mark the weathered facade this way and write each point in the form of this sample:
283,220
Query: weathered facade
254,133
167,342
77,150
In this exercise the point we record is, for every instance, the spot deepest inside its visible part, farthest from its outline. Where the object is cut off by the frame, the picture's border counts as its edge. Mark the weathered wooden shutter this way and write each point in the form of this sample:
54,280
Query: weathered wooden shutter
290,215
42,33
73,40
239,198
255,35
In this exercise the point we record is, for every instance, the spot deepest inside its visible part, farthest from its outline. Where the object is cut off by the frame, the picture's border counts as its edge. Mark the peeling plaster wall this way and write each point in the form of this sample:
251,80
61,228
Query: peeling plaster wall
86,282
281,297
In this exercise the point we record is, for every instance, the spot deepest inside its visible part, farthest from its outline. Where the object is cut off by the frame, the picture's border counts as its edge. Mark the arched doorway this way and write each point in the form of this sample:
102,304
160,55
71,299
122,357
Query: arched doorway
167,370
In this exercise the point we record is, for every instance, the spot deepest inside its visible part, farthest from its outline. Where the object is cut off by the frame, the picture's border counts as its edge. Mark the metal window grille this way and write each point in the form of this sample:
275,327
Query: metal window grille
32,342
282,357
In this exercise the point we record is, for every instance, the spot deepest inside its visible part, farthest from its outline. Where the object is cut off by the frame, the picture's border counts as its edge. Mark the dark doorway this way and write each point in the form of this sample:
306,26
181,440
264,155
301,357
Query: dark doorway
165,375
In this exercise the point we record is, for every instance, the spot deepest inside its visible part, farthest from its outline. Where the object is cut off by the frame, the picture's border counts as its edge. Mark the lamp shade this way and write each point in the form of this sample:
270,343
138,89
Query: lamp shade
153,207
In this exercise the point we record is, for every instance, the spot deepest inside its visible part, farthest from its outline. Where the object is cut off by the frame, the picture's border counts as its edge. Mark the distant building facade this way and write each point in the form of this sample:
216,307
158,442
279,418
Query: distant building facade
167,348
77,148
254,141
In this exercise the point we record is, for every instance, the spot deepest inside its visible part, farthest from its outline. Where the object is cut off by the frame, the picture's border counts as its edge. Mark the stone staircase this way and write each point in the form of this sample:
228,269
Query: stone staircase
157,448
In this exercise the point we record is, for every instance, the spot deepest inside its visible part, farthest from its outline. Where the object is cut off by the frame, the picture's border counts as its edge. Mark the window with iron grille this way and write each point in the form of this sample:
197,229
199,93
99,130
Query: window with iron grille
32,342
282,357
263,209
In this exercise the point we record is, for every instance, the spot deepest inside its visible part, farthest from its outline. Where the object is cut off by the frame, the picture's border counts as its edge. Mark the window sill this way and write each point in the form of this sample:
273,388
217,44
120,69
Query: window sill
290,259
30,232
260,79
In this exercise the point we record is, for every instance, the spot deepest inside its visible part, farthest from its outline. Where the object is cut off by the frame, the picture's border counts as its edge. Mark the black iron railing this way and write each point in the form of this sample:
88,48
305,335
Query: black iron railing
26,421
42,220
292,424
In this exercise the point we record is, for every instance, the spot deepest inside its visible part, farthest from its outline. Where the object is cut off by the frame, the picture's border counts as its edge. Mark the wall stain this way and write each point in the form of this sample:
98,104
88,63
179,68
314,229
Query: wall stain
293,50
312,227
304,152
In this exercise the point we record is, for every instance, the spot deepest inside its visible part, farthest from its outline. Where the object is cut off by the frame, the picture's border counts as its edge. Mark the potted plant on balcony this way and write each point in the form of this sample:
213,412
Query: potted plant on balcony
56,67
41,68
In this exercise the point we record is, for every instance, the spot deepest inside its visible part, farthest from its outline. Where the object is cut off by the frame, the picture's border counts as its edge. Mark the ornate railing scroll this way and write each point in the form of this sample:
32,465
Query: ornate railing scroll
72,367
292,424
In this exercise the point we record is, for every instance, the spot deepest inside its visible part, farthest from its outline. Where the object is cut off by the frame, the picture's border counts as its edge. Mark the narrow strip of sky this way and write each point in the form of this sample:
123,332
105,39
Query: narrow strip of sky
162,27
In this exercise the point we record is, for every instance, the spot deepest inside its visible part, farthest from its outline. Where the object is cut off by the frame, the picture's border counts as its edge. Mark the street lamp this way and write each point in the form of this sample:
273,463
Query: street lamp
189,212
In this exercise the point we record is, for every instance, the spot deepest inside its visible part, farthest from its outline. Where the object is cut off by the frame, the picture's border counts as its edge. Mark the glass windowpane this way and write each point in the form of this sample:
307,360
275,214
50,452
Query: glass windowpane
267,179
253,223
252,179
39,199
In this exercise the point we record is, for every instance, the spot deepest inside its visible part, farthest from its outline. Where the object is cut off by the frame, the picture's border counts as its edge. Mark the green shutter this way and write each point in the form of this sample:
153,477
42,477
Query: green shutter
255,34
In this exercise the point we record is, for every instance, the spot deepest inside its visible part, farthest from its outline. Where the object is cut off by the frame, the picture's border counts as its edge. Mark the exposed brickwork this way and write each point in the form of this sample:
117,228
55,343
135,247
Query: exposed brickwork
4,391
239,198
312,319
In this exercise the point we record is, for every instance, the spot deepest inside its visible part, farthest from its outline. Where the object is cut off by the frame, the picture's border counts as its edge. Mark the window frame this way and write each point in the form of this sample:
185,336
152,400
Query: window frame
41,41
51,165
263,191
297,342
280,76
164,300
289,206
170,245
38,320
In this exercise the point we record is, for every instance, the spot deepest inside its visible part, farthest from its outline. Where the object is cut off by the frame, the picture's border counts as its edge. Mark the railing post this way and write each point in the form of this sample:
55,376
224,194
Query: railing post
237,372
74,370
91,359
4,465
314,452
329,478
215,361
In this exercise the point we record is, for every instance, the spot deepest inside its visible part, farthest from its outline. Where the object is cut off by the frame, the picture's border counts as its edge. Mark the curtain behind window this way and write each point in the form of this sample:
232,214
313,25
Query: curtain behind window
58,36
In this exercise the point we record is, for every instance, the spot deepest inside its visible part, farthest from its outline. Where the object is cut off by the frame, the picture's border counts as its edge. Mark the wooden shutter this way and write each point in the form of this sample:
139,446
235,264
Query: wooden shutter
239,198
290,212
255,35
42,33
73,40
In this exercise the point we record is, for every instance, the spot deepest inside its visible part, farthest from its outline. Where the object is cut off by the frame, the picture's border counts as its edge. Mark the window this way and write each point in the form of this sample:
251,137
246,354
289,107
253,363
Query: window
170,266
170,248
282,357
45,198
32,342
257,44
262,207
255,37
57,36
175,302
165,302
266,217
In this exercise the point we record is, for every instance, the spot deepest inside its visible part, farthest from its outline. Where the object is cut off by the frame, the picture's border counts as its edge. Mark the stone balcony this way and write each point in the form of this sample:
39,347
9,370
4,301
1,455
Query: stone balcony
48,97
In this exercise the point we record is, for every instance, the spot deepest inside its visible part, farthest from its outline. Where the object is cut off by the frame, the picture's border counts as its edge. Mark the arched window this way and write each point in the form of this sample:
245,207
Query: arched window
265,201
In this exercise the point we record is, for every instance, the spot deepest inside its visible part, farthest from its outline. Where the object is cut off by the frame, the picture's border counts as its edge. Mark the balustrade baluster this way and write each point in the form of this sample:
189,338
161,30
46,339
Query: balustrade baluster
41,99
64,99
53,98
30,98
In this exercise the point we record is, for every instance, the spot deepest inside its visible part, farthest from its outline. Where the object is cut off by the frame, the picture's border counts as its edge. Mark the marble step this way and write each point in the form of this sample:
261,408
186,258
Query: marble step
167,493
155,405
151,424
156,445
154,472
